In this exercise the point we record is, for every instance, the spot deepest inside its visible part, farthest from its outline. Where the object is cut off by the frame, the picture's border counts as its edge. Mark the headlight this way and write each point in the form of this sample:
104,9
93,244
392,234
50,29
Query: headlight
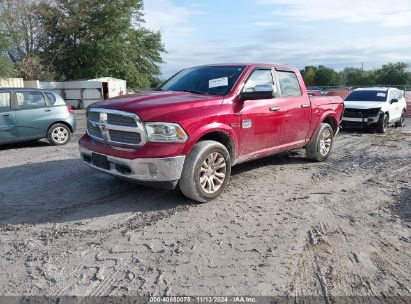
165,132
374,111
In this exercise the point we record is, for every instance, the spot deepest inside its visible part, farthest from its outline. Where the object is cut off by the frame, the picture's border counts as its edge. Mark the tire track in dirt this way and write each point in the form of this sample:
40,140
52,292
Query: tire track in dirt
255,239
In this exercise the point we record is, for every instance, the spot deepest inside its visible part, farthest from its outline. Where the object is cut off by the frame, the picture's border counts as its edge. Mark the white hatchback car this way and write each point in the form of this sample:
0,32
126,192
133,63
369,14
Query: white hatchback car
374,107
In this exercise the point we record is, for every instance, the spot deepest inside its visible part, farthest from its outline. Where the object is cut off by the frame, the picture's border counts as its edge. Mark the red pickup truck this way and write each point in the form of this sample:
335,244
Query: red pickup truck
202,121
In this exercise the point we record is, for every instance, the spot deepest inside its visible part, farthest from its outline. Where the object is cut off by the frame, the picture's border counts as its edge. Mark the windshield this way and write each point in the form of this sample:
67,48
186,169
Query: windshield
371,95
213,80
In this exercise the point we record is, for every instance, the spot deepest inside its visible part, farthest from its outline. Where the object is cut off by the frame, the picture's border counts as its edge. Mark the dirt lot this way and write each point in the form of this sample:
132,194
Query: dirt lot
285,226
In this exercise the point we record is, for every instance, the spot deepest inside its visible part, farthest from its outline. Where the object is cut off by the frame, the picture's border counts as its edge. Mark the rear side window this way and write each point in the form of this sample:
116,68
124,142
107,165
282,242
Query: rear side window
396,94
30,99
51,97
5,101
289,84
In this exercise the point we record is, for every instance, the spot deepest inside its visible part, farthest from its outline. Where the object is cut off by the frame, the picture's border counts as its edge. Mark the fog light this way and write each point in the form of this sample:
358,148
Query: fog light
123,169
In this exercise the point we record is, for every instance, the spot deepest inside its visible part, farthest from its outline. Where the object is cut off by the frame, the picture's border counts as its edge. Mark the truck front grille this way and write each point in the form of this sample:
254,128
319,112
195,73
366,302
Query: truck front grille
115,127
125,137
119,120
93,116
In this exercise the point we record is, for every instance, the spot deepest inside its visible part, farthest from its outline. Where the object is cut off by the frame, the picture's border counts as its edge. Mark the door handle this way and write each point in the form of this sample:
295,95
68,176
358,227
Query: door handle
7,114
274,109
304,106
47,110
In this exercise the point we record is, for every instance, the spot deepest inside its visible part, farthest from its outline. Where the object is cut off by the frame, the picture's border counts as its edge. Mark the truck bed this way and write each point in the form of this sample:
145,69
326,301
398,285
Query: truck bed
323,100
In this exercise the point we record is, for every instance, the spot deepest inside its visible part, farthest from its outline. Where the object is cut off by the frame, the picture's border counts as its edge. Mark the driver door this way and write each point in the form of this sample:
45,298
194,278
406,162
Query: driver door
260,120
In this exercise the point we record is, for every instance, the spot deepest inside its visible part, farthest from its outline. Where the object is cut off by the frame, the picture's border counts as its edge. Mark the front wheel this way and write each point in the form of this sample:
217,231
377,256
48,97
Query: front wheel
206,171
400,123
383,123
320,147
58,134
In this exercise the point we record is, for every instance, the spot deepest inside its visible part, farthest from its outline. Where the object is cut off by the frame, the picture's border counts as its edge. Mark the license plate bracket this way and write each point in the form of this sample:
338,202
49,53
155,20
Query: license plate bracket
100,161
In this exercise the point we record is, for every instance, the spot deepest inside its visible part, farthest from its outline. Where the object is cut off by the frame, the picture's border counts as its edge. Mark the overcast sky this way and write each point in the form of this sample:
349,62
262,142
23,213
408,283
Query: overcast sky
335,33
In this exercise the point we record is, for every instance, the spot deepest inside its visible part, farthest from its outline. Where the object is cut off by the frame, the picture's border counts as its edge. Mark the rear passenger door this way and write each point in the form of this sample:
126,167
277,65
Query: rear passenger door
295,109
33,114
8,130
394,108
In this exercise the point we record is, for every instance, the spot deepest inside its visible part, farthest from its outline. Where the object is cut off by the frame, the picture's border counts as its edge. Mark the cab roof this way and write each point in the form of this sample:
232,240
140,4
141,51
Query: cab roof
276,66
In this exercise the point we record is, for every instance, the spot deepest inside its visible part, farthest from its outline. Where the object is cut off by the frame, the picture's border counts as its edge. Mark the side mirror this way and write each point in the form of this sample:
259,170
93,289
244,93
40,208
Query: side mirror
394,100
260,92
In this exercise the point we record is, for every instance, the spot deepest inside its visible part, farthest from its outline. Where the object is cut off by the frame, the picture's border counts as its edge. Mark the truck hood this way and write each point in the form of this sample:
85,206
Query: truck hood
159,106
363,105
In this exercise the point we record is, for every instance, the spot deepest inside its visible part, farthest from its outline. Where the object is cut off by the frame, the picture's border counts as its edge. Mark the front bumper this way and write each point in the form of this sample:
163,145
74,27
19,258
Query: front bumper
360,122
144,170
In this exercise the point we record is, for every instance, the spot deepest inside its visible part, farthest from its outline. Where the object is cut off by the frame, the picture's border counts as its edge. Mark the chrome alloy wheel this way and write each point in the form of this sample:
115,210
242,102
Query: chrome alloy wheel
325,142
60,135
213,173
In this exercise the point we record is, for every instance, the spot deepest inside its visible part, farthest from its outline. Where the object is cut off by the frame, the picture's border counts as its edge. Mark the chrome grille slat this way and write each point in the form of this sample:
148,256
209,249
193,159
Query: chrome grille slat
115,127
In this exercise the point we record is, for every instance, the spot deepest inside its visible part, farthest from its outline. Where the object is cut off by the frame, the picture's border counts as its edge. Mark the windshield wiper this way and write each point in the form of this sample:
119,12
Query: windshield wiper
194,92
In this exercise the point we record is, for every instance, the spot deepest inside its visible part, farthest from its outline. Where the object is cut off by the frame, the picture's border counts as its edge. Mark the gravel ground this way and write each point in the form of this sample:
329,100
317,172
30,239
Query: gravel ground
285,226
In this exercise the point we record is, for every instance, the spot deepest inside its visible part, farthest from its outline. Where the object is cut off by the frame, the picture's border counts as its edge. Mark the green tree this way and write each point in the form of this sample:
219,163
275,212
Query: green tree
325,76
392,74
359,77
342,78
19,32
309,75
95,38
6,66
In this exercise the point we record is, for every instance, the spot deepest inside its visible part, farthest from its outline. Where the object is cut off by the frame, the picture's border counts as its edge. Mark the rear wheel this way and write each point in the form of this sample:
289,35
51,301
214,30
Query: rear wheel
58,134
206,171
320,147
383,123
400,123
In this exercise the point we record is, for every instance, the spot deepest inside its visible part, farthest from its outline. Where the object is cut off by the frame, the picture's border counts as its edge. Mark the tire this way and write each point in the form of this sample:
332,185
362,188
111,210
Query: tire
320,147
205,166
58,134
383,123
400,123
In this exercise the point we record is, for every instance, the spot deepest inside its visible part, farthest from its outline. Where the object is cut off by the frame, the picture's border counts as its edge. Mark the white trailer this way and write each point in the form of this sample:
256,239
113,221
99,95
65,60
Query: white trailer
81,94
11,83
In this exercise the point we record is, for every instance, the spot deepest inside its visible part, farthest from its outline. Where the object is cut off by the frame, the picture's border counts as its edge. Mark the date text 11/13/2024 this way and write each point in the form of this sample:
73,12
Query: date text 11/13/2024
202,299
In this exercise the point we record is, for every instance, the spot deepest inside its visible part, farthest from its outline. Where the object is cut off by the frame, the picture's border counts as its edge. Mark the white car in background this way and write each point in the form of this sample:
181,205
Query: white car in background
374,107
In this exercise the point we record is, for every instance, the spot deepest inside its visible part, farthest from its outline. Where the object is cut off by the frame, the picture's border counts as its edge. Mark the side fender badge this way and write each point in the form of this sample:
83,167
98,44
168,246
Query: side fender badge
246,124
